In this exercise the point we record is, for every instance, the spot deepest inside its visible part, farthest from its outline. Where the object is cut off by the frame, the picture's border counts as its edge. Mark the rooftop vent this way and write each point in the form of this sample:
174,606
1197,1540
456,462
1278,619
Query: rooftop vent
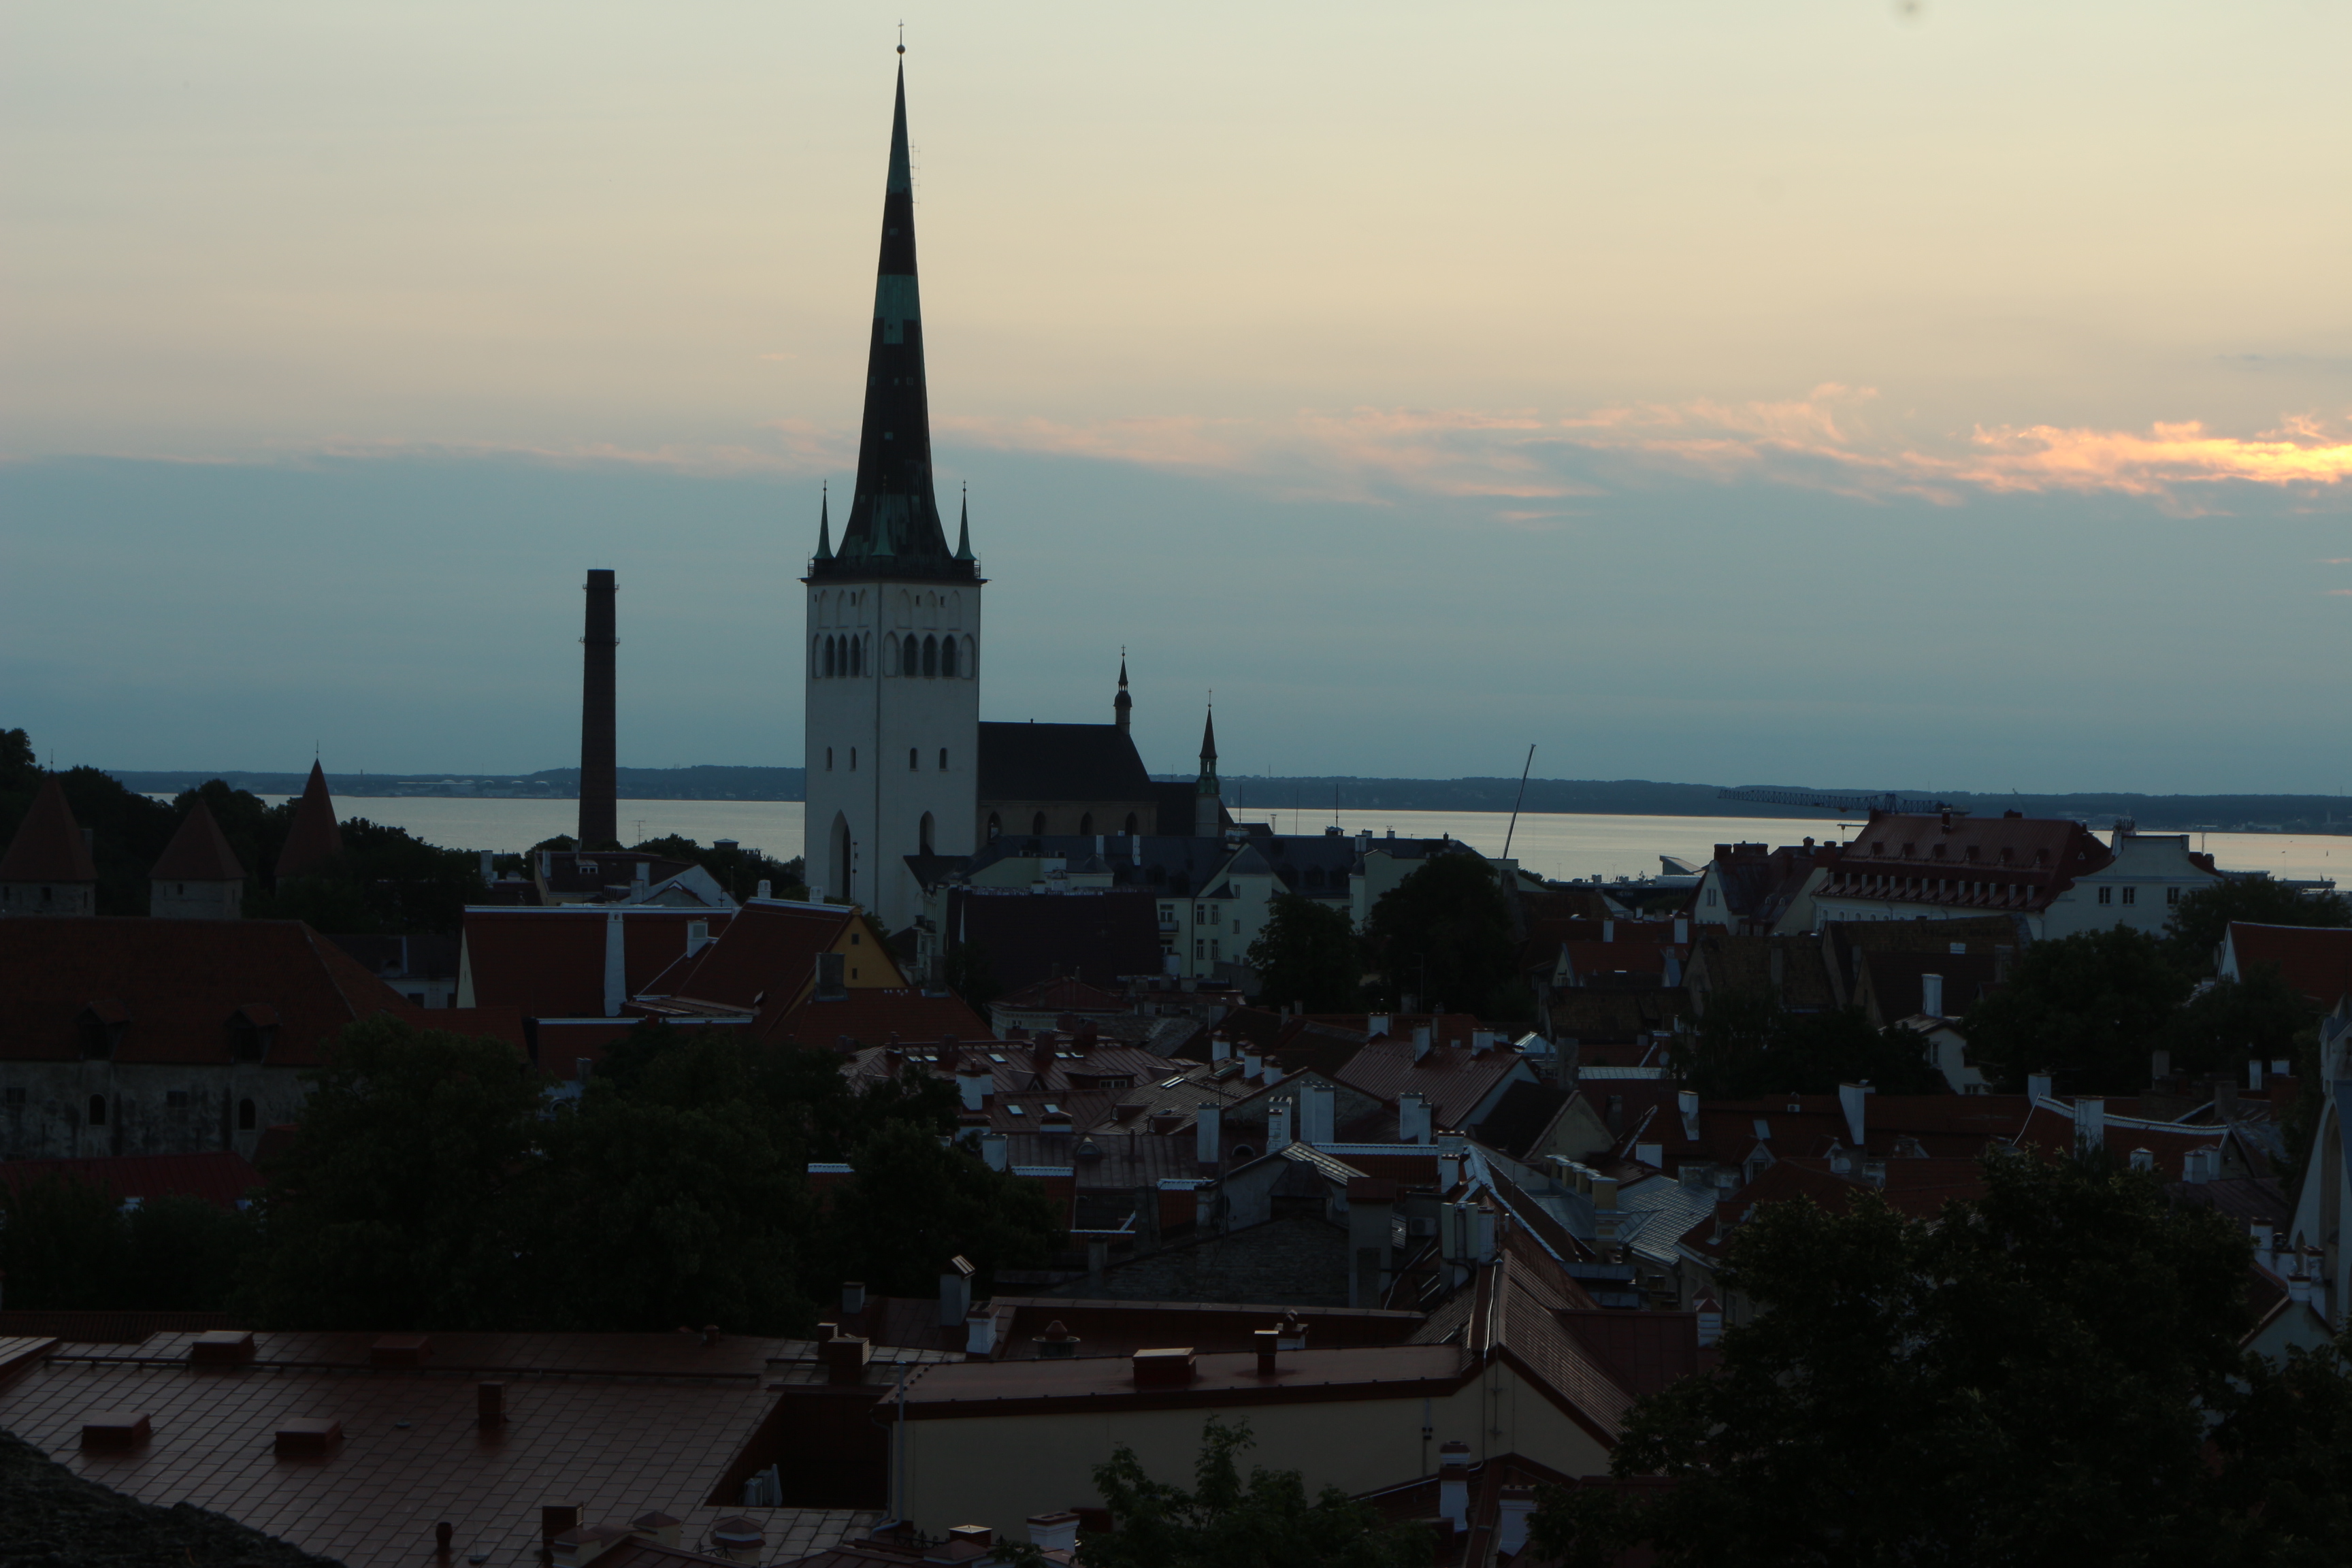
112,1431
221,1347
1168,1367
308,1437
1056,1343
399,1353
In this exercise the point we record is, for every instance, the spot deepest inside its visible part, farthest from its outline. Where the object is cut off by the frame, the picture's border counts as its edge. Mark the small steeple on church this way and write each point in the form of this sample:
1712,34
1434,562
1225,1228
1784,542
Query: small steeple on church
901,769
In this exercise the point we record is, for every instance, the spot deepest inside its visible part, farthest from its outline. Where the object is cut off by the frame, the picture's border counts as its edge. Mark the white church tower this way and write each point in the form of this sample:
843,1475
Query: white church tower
893,683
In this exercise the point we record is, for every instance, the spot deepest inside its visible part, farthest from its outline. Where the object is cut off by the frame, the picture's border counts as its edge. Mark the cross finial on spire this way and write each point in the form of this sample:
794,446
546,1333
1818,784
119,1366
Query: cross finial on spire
902,37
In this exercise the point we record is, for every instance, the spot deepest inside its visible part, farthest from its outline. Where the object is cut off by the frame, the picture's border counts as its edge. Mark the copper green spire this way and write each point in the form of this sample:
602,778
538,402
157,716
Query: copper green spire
893,523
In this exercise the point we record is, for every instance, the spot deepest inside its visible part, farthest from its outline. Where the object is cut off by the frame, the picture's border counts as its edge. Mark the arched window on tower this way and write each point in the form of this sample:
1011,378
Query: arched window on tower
943,759
970,659
930,655
914,760
1037,824
923,834
853,758
832,653
816,656
828,759
1085,822
946,656
857,655
1131,825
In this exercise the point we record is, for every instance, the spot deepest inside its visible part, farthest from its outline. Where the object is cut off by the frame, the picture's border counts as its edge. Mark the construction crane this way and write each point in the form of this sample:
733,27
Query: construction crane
1832,800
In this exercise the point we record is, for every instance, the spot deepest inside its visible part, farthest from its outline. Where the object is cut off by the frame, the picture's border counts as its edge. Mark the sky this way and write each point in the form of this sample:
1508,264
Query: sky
1937,395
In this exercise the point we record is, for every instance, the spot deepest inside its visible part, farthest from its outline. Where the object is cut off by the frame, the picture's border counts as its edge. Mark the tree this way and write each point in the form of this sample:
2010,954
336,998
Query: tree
2087,1007
1224,1521
1444,934
970,973
912,1202
1748,1045
385,880
740,871
685,1177
62,1243
407,1195
2033,1377
2218,1029
2193,935
68,1245
1309,953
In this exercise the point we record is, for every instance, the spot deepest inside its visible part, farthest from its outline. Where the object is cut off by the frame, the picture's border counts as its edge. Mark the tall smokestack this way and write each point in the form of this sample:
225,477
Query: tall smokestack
600,809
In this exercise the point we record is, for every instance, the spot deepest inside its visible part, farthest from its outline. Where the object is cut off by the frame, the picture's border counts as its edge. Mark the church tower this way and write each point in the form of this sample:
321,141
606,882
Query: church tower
892,682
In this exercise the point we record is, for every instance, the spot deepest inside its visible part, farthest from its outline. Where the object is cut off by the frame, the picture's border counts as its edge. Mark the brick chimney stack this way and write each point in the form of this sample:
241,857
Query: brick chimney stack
600,809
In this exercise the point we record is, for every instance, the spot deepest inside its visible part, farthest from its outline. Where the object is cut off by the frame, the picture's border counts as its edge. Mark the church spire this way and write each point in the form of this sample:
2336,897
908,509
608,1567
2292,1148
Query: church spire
1122,705
963,530
893,522
824,524
1208,792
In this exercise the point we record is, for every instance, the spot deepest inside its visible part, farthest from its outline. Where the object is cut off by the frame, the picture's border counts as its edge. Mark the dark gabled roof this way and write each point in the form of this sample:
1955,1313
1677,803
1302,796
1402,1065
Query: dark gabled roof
176,986
198,851
48,846
1520,1116
550,962
2313,960
313,840
1101,938
1060,761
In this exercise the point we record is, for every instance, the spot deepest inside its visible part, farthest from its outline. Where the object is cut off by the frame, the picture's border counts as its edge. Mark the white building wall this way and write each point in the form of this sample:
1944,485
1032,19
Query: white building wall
885,747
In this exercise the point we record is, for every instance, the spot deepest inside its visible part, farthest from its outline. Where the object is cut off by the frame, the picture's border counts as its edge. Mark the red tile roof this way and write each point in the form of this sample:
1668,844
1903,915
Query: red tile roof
1062,995
768,951
220,1178
1455,1079
549,963
48,846
1965,862
313,839
198,852
177,984
2315,960
619,1424
870,1016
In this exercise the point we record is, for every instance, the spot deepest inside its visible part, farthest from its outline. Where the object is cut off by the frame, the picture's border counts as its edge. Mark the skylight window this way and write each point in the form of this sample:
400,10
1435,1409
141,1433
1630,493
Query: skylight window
1014,1110
1763,1131
1172,1082
996,1057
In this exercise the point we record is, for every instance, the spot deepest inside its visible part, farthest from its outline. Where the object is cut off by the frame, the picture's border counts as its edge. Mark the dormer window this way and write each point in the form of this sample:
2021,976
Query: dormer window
99,1030
252,1031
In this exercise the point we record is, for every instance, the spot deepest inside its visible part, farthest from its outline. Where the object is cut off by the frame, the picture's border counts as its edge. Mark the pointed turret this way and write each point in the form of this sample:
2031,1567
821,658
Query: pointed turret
313,841
824,524
892,526
1208,793
1122,705
49,869
199,876
963,529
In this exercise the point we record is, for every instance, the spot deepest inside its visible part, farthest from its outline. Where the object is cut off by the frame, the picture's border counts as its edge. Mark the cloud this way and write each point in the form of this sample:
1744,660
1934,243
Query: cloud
1825,439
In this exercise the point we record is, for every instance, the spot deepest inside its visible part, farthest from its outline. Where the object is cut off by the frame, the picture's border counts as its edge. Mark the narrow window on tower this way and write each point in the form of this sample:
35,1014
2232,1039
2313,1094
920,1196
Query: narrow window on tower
857,655
828,759
930,655
943,759
913,763
946,656
970,659
832,652
853,758
816,656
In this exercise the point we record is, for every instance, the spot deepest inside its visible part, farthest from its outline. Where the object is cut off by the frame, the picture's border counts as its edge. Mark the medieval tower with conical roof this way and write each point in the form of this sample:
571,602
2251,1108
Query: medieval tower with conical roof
893,644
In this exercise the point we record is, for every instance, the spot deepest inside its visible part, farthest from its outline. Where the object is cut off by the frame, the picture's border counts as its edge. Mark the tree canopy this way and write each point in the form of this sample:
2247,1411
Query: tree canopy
1309,953
1226,1520
1443,936
2048,1374
1746,1045
67,1245
2193,932
2089,1007
437,1183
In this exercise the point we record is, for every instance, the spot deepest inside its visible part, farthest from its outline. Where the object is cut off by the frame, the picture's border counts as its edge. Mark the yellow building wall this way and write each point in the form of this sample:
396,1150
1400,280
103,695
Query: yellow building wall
998,1470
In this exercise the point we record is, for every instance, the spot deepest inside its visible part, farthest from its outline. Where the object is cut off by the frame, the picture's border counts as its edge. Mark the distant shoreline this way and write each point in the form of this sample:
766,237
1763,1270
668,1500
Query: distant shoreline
1591,797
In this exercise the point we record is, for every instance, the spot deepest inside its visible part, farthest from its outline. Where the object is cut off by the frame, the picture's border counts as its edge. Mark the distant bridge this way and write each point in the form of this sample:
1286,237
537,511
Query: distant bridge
1831,800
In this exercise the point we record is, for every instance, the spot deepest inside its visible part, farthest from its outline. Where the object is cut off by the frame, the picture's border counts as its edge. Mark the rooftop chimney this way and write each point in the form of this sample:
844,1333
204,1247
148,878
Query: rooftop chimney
2089,1123
1205,1120
1518,1504
1454,1482
600,808
980,1334
1414,1124
2037,1087
955,1292
995,1150
1055,1532
1277,1127
1687,1102
1319,1109
1166,1368
1268,1340
1931,995
853,1296
1853,1098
